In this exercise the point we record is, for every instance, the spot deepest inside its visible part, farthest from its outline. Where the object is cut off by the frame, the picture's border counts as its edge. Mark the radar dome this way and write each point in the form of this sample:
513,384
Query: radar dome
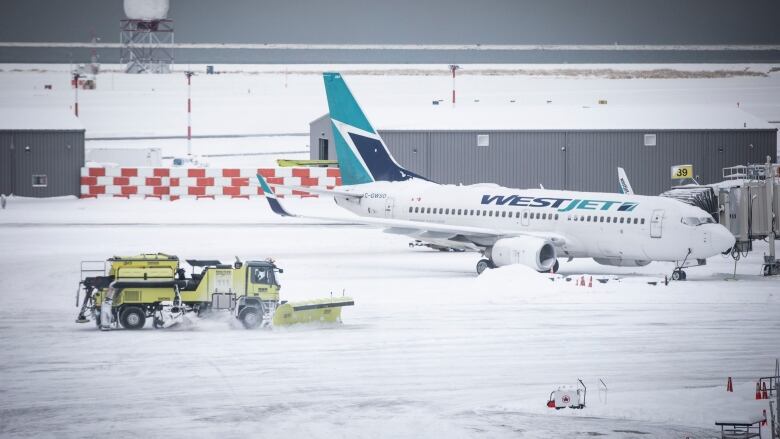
146,9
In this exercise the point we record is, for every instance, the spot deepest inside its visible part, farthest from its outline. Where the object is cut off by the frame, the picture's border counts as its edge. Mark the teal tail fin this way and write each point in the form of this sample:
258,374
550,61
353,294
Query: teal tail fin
362,155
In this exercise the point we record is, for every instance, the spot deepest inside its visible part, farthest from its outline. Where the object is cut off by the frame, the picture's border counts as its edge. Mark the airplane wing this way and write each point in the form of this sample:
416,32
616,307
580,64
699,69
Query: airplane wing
480,236
320,191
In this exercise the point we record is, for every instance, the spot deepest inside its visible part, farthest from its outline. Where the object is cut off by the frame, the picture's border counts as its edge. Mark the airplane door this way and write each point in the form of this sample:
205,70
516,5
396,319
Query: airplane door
656,223
389,203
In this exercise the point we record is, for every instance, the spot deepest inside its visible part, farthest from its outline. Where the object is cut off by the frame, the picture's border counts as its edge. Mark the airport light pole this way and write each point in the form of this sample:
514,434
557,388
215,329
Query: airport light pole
76,77
189,74
453,67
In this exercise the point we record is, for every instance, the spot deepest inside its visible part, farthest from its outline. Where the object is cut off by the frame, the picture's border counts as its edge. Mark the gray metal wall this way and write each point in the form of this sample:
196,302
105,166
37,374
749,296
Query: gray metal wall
574,160
57,154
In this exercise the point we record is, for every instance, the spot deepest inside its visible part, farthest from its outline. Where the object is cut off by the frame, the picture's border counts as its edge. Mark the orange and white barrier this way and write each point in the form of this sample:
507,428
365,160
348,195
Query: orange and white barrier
175,183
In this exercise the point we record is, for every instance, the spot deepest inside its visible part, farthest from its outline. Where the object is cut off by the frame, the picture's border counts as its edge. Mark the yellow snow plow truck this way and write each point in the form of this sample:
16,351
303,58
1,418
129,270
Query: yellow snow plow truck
132,289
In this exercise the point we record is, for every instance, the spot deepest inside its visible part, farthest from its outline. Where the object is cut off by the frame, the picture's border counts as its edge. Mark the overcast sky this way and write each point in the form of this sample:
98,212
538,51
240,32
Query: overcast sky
413,21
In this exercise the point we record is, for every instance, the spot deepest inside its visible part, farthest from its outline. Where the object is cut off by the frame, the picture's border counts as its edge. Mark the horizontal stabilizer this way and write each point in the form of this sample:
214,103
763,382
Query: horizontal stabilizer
271,197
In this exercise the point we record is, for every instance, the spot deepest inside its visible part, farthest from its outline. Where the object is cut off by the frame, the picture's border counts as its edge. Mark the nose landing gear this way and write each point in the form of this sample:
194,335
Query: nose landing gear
679,274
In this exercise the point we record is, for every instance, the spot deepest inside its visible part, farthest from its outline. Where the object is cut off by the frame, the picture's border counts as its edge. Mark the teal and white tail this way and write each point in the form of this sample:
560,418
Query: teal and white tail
362,155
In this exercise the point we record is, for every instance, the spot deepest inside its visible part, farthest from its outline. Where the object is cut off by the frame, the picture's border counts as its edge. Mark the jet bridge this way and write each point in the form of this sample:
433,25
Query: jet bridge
747,202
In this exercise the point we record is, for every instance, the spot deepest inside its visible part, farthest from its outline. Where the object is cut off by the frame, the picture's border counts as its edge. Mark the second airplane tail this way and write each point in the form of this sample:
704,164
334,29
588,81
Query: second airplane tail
362,155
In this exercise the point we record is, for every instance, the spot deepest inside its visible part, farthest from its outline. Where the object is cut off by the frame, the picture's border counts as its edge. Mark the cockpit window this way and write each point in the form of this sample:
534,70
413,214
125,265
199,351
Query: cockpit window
697,221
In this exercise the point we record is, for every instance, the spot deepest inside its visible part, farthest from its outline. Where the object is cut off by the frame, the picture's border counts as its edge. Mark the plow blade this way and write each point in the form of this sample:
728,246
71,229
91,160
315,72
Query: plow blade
316,310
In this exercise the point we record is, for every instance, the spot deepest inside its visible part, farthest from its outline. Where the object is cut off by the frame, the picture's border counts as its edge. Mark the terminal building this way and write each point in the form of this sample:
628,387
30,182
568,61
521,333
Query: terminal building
573,148
41,153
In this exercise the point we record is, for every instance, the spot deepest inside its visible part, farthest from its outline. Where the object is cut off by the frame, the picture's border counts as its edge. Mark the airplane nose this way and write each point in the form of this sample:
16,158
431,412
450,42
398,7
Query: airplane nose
722,239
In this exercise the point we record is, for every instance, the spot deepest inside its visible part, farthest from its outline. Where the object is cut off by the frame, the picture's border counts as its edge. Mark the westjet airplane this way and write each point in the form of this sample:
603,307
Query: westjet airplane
533,227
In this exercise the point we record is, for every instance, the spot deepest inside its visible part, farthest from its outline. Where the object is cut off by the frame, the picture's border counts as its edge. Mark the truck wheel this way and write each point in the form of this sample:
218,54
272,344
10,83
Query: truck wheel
250,317
132,317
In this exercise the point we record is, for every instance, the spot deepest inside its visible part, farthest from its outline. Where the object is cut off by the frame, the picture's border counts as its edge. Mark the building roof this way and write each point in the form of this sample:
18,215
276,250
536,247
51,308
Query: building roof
38,119
473,116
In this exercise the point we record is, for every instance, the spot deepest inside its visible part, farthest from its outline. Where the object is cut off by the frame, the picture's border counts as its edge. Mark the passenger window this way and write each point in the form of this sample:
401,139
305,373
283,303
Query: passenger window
556,217
459,211
544,216
588,220
636,220
621,220
429,210
643,220
525,214
410,209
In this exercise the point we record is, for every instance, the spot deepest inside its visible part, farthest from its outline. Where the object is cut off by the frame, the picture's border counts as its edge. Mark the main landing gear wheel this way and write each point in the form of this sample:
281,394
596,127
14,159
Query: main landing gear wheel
132,317
483,265
250,317
679,274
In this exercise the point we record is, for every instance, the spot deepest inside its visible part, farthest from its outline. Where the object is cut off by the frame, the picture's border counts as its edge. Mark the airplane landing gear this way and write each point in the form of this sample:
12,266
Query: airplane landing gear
483,265
679,274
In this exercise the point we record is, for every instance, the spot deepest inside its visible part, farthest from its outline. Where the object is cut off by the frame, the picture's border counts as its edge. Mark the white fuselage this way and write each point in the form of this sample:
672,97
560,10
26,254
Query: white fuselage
597,225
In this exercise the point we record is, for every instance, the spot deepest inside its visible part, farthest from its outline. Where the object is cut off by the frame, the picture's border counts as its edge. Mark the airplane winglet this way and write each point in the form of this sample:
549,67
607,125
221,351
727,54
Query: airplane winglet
271,197
623,184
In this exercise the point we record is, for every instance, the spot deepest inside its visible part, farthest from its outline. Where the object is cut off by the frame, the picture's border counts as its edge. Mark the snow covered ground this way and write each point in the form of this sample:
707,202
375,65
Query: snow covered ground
429,350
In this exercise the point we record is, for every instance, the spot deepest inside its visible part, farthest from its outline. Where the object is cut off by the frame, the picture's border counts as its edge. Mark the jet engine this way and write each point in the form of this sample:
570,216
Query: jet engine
530,251
618,262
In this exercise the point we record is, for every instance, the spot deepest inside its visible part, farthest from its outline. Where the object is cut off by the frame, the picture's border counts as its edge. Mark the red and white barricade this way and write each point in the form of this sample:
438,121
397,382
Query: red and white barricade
176,183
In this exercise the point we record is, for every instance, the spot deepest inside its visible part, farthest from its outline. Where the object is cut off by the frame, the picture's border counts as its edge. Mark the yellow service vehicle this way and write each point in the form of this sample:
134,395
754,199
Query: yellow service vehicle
132,289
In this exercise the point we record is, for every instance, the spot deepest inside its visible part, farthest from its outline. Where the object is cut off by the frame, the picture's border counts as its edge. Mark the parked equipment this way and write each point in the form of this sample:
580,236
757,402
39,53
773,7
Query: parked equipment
135,288
571,397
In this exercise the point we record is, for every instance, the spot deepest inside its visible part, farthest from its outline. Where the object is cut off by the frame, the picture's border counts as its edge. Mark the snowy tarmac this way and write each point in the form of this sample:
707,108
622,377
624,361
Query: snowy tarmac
429,350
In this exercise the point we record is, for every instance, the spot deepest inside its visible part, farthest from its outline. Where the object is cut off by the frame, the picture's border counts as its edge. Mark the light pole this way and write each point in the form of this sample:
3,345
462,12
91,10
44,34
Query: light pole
453,67
189,112
76,77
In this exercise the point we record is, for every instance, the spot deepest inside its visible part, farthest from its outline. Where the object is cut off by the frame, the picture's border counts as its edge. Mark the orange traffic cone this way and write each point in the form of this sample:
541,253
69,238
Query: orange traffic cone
764,394
590,282
582,281
758,391
729,386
